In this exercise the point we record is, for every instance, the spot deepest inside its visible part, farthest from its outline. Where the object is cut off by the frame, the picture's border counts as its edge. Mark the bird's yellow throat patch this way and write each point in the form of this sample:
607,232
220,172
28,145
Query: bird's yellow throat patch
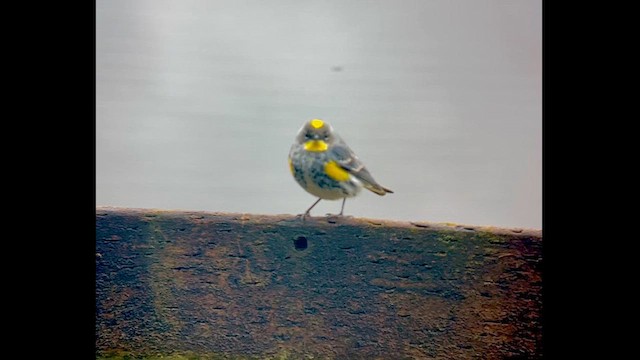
334,171
317,123
316,146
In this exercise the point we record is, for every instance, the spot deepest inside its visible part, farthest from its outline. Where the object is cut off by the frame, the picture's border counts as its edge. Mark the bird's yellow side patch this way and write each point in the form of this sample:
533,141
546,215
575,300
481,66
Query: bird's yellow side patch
291,167
335,171
317,123
316,146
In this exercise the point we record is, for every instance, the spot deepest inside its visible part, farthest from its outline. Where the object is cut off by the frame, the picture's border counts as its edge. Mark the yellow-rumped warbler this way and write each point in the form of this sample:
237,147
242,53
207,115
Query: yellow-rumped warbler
323,164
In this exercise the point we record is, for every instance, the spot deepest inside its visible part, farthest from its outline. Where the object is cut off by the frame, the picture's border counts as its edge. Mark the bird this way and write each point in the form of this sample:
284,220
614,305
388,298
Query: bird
324,165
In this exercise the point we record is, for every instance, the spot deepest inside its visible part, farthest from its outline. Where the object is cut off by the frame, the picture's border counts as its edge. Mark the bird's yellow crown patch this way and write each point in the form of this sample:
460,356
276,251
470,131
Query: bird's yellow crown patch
317,123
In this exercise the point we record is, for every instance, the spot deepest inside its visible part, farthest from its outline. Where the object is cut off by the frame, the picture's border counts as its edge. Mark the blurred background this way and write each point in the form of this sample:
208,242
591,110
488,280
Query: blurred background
198,103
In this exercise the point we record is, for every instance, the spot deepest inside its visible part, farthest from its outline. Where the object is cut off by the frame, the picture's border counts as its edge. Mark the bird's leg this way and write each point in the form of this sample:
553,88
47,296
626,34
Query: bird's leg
309,209
342,208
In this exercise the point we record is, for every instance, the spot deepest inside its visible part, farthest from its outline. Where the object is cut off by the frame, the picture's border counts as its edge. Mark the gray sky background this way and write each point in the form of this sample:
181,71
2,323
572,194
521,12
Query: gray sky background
198,103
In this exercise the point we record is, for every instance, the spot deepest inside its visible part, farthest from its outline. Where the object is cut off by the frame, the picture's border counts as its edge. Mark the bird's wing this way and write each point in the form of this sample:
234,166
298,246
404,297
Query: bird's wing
347,159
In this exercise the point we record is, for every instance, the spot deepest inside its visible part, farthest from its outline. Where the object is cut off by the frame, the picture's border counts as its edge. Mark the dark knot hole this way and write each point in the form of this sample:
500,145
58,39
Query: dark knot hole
300,243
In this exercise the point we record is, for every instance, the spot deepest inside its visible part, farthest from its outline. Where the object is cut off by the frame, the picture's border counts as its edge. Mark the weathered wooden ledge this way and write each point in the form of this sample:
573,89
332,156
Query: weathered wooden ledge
225,286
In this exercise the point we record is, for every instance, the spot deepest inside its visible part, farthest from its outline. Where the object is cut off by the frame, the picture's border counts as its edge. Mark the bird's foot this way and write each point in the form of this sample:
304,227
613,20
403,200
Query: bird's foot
333,218
304,216
334,215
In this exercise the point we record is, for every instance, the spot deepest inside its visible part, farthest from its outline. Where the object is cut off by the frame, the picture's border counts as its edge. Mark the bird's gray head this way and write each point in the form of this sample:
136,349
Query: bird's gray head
316,135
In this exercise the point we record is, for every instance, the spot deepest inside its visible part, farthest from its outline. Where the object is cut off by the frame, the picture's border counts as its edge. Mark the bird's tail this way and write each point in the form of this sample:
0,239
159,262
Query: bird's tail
380,190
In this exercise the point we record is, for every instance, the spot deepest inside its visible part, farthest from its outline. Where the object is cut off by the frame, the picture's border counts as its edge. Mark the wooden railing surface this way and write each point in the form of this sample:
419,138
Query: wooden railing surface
220,285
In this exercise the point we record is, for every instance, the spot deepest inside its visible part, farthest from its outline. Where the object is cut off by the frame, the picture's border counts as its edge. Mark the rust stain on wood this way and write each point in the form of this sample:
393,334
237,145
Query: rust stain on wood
240,285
